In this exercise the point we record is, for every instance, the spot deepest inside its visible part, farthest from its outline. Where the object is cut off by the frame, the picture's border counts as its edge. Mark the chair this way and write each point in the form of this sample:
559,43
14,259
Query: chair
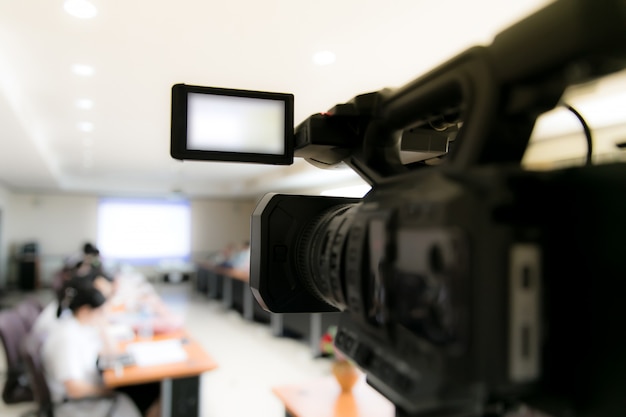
29,351
12,332
29,310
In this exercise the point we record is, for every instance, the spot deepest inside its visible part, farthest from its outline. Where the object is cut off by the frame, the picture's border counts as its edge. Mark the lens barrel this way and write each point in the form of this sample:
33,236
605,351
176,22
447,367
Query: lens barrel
297,252
321,250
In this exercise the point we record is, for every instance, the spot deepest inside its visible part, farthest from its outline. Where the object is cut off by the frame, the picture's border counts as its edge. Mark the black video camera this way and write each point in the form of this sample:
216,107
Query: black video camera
467,284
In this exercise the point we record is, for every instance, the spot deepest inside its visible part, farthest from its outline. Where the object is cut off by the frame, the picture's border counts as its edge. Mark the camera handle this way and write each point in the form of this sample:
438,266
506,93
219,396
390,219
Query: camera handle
496,92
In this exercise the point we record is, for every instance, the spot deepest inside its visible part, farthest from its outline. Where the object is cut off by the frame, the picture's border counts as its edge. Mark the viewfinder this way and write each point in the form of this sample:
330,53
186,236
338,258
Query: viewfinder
219,124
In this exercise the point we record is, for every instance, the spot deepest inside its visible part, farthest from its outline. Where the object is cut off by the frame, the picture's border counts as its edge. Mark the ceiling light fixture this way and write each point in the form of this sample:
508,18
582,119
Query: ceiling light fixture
83,70
81,9
323,58
84,103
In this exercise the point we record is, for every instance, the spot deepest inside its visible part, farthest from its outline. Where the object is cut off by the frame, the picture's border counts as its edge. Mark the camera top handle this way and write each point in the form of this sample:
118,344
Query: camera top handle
498,91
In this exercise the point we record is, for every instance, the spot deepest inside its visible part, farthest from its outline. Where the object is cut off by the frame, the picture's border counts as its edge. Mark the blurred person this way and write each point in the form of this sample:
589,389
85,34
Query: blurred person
91,260
85,260
223,257
49,316
70,354
241,259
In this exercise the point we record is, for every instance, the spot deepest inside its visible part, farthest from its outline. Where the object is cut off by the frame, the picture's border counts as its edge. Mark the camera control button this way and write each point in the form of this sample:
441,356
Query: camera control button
280,253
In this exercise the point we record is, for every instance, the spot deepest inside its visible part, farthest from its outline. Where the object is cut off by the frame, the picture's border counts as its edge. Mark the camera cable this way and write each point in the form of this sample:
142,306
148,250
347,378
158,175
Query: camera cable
586,130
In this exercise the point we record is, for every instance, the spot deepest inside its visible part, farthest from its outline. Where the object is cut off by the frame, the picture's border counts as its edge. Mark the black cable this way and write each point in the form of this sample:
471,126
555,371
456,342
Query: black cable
586,129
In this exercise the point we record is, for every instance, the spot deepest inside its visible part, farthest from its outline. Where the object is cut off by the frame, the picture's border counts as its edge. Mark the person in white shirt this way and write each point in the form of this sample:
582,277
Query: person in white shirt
242,260
47,319
70,354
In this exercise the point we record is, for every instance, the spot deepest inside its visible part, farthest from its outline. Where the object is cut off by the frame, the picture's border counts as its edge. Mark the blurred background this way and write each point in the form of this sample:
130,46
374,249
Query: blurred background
85,91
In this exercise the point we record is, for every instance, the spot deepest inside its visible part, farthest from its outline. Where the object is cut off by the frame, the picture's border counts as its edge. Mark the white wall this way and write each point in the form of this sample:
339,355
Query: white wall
215,223
60,224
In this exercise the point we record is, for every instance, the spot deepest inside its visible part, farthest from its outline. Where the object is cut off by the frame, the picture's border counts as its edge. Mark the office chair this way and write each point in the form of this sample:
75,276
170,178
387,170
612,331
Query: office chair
29,310
12,332
29,351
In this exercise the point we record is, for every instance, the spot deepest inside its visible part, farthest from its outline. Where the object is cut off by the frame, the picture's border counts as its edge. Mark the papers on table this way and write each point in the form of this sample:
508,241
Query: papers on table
120,332
157,352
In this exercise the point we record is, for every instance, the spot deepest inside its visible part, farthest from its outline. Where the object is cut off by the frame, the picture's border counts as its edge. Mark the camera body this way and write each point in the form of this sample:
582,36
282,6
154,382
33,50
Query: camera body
460,288
466,283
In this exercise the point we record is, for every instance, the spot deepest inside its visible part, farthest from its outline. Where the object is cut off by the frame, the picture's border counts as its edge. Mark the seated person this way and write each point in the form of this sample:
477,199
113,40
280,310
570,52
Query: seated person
237,264
46,320
241,259
48,317
70,354
223,257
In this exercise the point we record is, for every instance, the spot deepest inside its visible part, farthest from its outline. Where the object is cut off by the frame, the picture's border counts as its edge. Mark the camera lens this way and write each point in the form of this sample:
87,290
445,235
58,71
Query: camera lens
321,254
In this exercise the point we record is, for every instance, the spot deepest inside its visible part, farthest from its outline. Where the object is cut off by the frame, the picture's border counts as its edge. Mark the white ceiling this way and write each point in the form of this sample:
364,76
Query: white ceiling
140,48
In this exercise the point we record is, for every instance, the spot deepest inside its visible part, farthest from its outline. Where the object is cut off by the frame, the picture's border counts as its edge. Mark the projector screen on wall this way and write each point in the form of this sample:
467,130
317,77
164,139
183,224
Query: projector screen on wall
144,231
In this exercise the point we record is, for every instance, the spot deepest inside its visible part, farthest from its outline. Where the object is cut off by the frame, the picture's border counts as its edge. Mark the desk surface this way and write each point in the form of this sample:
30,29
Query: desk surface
323,398
198,361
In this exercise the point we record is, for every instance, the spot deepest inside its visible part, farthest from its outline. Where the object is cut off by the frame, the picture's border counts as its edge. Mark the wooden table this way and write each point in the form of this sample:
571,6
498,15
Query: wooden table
232,285
323,398
218,282
311,326
180,382
231,275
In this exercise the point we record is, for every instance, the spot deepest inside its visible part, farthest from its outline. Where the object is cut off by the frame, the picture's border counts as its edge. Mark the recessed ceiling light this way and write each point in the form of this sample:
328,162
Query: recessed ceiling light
81,9
83,70
84,103
324,58
85,126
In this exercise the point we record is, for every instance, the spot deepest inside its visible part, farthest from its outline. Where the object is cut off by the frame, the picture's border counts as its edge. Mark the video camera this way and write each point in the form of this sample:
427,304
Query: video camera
468,285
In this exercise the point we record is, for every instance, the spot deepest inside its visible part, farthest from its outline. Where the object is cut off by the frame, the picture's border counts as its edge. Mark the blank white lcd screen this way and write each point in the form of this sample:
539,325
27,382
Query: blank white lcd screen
235,124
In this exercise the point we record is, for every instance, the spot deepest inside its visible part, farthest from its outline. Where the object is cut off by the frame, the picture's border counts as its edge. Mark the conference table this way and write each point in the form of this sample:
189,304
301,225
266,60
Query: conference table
169,355
230,277
220,282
